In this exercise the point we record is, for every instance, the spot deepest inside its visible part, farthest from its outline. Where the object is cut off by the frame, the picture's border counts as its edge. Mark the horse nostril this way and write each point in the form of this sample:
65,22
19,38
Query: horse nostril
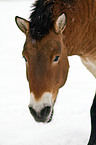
45,111
32,111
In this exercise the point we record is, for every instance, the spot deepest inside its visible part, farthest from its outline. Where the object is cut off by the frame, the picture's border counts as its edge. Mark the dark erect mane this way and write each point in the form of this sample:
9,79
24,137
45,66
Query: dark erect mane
41,18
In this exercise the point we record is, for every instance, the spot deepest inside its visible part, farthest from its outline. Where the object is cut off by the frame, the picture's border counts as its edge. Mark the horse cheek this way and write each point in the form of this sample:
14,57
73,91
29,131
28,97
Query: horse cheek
64,72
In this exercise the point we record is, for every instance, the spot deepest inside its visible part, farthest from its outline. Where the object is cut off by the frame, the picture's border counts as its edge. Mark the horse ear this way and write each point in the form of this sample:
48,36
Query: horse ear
60,23
22,24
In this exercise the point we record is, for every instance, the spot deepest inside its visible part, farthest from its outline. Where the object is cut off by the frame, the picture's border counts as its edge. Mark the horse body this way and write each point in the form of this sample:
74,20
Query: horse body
57,29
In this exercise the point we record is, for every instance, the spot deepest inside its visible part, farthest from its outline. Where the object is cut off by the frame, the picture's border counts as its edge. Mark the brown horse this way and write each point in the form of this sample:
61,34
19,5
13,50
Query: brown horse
57,29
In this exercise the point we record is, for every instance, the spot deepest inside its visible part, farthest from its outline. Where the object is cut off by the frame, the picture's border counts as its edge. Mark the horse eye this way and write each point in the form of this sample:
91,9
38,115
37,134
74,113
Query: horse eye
25,58
56,58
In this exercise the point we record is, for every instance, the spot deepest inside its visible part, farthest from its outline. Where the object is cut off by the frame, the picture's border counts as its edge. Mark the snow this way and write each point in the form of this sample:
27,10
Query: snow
71,121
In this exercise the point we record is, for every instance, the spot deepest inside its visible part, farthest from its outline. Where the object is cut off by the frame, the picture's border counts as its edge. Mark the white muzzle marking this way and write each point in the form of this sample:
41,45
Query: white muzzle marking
38,105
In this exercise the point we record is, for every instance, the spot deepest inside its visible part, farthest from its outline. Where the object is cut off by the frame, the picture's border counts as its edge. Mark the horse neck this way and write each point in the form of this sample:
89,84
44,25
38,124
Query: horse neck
80,29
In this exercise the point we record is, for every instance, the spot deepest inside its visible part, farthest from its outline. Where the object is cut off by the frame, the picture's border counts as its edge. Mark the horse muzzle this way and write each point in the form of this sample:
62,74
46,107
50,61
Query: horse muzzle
44,115
42,109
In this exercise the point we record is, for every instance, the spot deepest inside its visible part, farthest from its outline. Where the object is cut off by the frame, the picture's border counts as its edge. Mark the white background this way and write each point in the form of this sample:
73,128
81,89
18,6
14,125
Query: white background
71,121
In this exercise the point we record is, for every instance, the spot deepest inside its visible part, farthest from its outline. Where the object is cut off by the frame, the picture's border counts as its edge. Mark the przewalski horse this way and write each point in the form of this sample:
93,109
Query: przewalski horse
57,29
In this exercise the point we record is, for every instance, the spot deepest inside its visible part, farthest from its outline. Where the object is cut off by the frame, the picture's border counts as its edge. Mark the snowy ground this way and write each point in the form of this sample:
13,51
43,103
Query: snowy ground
71,121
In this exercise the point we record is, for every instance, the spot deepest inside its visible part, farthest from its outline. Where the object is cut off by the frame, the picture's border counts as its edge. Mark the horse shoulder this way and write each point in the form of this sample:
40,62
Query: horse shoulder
90,64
